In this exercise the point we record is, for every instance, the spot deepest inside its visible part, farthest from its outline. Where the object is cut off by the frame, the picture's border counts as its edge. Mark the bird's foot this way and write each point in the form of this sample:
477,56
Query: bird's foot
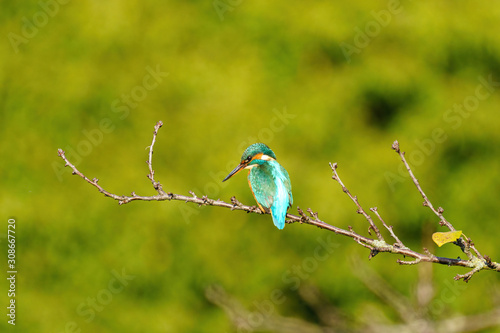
256,209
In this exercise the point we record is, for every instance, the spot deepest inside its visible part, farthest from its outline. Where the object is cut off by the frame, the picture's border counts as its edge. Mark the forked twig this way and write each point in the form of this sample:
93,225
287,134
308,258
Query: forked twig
477,261
151,174
354,198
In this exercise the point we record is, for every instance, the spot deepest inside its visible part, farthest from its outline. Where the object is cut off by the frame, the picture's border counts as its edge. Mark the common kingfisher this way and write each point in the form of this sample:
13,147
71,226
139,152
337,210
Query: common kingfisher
268,180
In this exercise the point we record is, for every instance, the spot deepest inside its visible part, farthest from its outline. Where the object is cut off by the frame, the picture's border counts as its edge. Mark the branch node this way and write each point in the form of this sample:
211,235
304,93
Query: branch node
235,203
395,146
304,217
428,253
313,214
358,240
373,253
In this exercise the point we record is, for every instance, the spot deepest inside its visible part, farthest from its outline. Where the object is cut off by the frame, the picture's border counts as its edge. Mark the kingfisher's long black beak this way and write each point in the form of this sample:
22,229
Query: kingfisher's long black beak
240,167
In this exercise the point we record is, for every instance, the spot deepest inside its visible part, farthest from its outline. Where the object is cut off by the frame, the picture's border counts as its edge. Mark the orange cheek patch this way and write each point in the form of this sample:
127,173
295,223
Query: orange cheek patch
257,157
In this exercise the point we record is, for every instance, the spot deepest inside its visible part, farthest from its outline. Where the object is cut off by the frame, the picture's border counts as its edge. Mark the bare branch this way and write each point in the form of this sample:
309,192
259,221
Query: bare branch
465,243
151,174
427,203
242,318
393,235
378,245
355,199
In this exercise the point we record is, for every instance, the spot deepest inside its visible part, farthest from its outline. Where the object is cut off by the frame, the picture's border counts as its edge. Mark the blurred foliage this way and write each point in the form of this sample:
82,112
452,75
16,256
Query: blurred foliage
265,72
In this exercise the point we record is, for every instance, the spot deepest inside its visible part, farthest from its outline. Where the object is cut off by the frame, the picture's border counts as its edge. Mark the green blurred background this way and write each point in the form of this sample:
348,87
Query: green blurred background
317,81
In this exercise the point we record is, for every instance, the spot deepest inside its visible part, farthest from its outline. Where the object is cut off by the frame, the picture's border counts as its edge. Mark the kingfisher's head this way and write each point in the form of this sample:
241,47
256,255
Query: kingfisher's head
253,156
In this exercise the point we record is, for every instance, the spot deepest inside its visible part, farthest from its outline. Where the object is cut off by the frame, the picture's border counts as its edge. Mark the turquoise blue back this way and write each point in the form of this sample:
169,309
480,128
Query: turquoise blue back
271,188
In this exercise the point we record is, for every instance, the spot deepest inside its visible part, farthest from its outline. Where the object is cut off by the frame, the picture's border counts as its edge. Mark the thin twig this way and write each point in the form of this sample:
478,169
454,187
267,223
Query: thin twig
427,202
465,243
151,174
121,198
393,235
354,198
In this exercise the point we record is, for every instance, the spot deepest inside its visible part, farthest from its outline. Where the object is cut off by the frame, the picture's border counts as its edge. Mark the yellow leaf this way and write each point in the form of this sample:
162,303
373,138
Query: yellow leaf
441,238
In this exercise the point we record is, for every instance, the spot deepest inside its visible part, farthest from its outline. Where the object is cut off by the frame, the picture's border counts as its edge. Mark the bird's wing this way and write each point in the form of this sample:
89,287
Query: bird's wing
288,185
282,196
263,189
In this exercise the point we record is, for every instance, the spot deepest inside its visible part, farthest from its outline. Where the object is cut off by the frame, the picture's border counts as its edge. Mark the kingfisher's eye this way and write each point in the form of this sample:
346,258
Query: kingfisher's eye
248,159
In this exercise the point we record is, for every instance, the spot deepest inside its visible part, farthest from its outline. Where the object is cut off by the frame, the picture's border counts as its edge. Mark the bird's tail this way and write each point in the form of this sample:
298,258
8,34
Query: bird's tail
278,218
278,211
280,206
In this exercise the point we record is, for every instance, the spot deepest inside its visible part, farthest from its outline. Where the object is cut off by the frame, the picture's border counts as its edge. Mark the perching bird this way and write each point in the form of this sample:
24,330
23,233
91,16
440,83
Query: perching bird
268,180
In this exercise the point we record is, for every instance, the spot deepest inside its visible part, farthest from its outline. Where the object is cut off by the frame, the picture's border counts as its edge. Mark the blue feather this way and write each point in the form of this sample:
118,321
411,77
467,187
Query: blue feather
282,197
